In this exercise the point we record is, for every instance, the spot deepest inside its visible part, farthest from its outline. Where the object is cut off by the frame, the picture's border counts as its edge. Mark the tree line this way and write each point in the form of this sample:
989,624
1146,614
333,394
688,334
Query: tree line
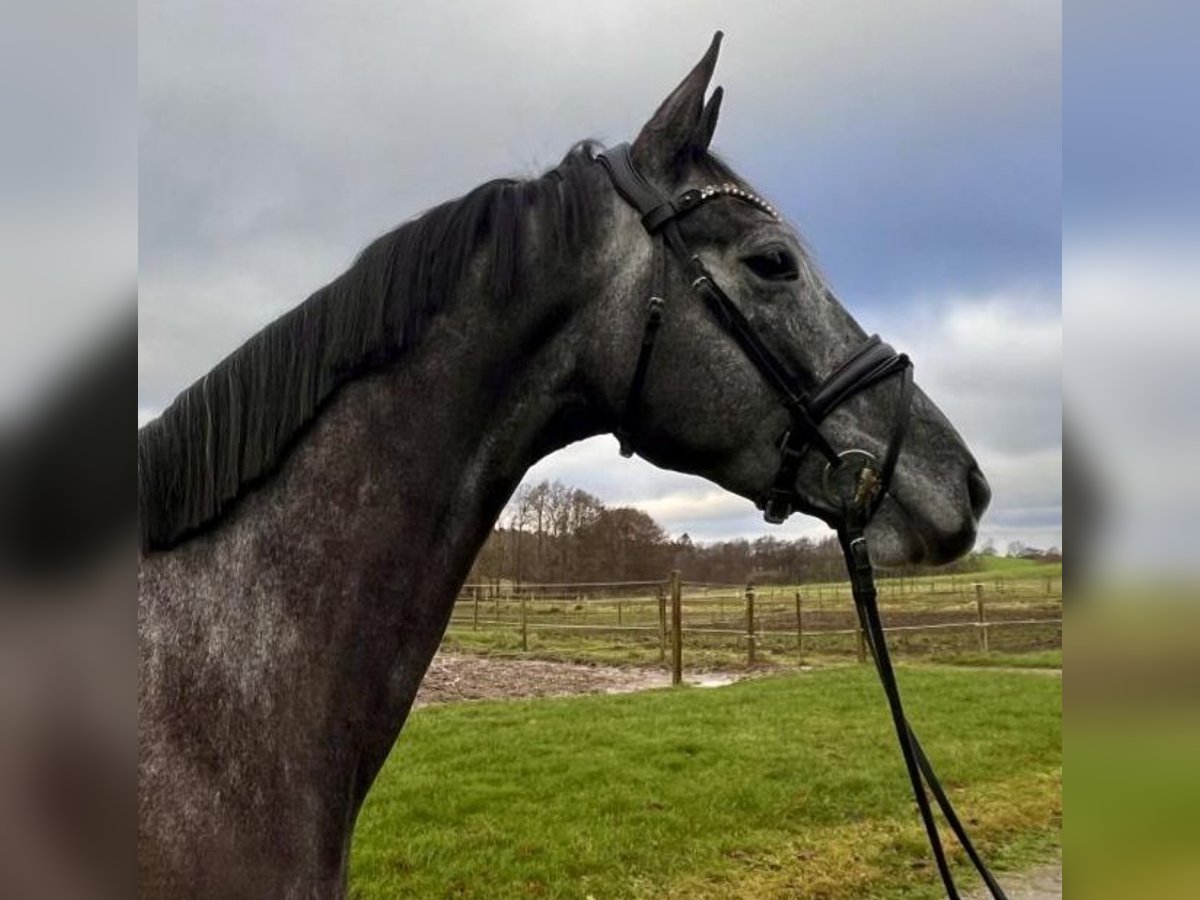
554,533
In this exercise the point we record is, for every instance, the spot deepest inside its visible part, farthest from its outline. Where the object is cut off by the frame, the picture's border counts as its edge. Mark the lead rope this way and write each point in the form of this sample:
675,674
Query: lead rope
862,584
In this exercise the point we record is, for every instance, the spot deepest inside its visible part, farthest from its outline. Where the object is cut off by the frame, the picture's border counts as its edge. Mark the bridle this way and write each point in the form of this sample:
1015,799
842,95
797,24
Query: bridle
807,406
855,480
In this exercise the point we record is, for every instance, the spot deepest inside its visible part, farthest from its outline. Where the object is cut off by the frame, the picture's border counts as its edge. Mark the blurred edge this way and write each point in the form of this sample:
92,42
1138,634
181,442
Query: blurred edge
1131,157
62,498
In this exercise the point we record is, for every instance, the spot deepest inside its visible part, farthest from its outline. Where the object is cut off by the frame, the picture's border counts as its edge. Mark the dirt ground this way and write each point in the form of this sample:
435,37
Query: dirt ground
453,678
1042,883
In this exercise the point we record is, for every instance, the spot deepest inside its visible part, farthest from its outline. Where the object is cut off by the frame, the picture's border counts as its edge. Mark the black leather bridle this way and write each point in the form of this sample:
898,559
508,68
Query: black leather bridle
807,406
855,481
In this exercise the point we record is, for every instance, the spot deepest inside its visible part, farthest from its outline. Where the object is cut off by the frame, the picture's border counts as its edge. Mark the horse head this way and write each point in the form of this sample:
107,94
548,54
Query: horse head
700,403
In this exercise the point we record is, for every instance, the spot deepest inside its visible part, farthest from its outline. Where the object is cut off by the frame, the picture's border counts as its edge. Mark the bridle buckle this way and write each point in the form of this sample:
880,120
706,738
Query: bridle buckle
852,488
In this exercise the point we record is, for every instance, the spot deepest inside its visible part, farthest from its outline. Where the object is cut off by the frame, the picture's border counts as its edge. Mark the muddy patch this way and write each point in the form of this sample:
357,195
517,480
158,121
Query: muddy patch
453,678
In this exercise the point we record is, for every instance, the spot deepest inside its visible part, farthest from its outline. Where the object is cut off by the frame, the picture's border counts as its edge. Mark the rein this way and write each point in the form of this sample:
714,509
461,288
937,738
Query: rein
855,481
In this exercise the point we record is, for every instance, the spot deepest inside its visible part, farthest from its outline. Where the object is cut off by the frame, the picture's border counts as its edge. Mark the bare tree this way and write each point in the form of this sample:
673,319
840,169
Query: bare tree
551,532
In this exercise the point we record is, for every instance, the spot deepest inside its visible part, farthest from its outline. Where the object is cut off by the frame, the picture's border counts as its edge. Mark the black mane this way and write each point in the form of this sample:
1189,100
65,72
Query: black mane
235,424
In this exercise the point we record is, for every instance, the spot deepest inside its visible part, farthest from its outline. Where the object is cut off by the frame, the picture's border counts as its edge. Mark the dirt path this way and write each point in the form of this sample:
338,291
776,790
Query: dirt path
1042,883
453,678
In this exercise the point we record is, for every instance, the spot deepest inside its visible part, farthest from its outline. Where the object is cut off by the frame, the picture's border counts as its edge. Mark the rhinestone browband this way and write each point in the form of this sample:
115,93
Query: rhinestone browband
729,190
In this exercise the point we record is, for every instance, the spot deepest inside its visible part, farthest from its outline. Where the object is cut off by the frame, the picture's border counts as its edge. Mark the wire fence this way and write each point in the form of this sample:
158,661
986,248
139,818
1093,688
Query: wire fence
674,619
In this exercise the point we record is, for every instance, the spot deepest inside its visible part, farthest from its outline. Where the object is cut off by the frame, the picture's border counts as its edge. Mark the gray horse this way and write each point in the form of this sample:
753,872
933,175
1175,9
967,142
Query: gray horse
310,508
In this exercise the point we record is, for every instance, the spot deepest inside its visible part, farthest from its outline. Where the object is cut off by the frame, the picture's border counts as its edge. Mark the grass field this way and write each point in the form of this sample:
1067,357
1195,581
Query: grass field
1021,568
1033,659
789,786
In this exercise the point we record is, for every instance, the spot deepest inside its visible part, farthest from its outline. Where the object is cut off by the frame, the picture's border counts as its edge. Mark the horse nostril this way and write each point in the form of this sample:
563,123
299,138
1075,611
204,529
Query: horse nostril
979,491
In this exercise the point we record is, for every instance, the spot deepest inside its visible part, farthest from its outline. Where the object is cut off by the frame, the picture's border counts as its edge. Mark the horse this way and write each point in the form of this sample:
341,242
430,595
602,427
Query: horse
310,508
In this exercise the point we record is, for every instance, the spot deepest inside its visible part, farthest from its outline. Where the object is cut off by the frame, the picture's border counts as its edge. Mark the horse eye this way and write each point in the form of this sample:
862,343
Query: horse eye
774,264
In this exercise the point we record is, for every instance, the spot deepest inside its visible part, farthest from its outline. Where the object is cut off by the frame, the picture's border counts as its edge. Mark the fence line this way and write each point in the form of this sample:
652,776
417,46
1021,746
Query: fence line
771,632
535,585
750,616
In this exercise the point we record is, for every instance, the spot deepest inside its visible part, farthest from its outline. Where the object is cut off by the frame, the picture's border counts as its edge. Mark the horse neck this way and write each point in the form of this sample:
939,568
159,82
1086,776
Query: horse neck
370,525
299,625
328,587
418,459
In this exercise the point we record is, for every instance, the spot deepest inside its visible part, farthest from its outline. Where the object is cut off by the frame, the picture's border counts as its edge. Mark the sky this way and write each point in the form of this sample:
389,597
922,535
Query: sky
917,146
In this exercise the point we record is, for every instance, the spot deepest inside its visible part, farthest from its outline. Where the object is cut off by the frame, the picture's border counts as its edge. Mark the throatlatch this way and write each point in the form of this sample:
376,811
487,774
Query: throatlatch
855,481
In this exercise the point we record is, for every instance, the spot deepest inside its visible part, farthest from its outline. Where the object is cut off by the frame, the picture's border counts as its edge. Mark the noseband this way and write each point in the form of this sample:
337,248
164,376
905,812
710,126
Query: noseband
855,481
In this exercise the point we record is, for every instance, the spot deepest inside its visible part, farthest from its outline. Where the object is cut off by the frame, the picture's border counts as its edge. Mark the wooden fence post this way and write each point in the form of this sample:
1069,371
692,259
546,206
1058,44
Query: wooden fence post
475,622
662,624
983,631
799,629
619,622
750,638
524,622
676,628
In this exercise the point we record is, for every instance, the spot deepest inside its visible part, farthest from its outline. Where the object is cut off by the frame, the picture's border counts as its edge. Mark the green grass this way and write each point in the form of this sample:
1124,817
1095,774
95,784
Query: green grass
1034,659
992,567
782,787
1020,568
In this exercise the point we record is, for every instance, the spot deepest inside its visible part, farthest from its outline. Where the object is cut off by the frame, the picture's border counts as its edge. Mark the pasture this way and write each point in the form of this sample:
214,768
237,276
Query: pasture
788,786
1007,614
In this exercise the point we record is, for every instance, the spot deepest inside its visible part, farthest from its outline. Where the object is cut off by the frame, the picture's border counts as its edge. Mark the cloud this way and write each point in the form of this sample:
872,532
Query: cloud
696,505
992,363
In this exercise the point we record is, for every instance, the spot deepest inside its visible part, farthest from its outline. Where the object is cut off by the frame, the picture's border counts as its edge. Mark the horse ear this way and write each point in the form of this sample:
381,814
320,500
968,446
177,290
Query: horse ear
708,118
683,125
